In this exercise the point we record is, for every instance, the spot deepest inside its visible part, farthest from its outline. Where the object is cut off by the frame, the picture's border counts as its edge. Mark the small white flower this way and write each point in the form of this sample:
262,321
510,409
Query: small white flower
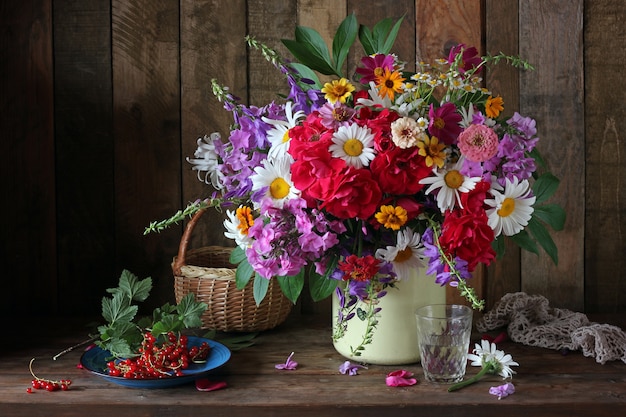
487,355
206,160
450,183
512,209
279,134
406,256
275,177
354,144
234,228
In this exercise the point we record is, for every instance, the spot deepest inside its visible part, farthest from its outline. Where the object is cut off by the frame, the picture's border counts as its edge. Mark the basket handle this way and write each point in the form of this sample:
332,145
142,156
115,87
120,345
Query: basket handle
184,242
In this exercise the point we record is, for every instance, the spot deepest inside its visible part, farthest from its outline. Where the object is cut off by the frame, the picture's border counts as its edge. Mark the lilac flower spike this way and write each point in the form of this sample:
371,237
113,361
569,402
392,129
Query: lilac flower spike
502,390
349,368
288,365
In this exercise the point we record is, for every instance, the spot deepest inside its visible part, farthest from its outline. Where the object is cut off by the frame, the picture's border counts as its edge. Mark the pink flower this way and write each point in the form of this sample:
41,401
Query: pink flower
502,390
288,365
400,378
444,123
469,57
478,143
349,368
374,66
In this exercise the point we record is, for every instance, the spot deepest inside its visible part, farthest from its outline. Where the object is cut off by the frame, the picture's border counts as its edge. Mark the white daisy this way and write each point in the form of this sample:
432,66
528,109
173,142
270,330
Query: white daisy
275,177
512,209
376,100
354,144
207,160
279,134
407,255
450,183
237,226
487,356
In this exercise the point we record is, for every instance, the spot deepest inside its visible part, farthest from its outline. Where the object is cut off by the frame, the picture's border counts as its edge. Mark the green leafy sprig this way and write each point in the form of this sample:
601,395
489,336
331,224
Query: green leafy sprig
124,332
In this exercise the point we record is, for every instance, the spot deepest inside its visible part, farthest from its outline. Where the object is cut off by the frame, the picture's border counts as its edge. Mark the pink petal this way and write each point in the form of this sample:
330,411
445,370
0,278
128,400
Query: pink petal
206,385
400,378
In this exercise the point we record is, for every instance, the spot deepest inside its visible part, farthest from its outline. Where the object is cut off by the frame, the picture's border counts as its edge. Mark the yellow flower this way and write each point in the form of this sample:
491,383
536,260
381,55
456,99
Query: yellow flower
338,90
389,83
392,217
432,150
494,106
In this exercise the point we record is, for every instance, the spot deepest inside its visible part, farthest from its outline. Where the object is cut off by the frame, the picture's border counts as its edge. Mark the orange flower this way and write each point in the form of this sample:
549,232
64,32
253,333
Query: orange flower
389,83
494,106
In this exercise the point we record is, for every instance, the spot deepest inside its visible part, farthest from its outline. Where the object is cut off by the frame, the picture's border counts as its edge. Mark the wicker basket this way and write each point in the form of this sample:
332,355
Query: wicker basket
208,274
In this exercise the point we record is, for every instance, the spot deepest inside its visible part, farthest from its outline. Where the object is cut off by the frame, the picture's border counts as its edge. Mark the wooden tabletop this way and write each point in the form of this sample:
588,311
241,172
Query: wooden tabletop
548,383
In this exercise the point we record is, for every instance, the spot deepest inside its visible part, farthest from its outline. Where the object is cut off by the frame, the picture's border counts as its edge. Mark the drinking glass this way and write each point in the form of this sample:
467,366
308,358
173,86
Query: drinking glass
443,333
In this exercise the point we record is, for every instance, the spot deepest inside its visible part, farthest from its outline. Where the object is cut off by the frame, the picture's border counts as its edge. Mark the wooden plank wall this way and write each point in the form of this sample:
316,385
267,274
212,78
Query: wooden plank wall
102,100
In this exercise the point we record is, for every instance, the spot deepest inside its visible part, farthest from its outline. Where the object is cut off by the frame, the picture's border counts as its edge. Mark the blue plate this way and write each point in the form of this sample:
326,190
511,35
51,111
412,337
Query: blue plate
95,361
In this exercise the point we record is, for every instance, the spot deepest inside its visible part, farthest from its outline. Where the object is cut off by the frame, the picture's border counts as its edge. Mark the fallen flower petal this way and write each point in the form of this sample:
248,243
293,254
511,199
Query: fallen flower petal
204,384
350,368
288,365
502,390
400,378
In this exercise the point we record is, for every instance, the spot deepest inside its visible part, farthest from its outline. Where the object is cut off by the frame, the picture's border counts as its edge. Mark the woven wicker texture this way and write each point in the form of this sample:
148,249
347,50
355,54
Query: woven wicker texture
208,274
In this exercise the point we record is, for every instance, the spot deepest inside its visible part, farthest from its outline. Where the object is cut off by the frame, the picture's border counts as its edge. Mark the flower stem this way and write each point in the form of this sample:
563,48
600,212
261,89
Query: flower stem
469,381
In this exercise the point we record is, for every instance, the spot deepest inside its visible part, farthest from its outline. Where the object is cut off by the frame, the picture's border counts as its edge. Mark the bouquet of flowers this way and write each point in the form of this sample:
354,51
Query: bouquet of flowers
359,181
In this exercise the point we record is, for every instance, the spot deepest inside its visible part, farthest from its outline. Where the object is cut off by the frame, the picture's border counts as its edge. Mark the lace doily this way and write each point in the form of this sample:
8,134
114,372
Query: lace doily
531,321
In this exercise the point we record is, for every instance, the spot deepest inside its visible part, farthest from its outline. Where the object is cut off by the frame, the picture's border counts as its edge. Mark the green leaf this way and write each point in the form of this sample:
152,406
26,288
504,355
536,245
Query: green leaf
544,187
237,255
292,285
133,288
169,323
308,73
118,348
391,38
343,40
544,239
379,33
499,246
552,214
260,288
190,311
321,286
117,308
243,274
309,58
366,39
524,241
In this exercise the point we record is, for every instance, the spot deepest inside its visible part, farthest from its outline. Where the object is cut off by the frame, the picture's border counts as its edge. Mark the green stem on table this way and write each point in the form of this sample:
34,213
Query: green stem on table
485,370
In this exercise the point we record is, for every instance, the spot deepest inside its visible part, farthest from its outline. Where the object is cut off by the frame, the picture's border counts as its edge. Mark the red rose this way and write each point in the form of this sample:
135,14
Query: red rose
399,171
465,232
352,193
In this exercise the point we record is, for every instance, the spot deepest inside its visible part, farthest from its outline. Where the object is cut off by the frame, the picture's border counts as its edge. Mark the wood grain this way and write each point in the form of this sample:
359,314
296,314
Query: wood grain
28,253
84,152
547,383
146,110
605,127
212,45
502,35
554,96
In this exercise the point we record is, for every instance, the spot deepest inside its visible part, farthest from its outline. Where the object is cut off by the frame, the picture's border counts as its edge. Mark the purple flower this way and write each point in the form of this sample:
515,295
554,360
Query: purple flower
288,365
502,390
349,368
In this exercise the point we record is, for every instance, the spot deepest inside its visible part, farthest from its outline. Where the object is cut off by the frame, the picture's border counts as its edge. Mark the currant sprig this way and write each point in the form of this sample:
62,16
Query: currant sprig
159,357
46,384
